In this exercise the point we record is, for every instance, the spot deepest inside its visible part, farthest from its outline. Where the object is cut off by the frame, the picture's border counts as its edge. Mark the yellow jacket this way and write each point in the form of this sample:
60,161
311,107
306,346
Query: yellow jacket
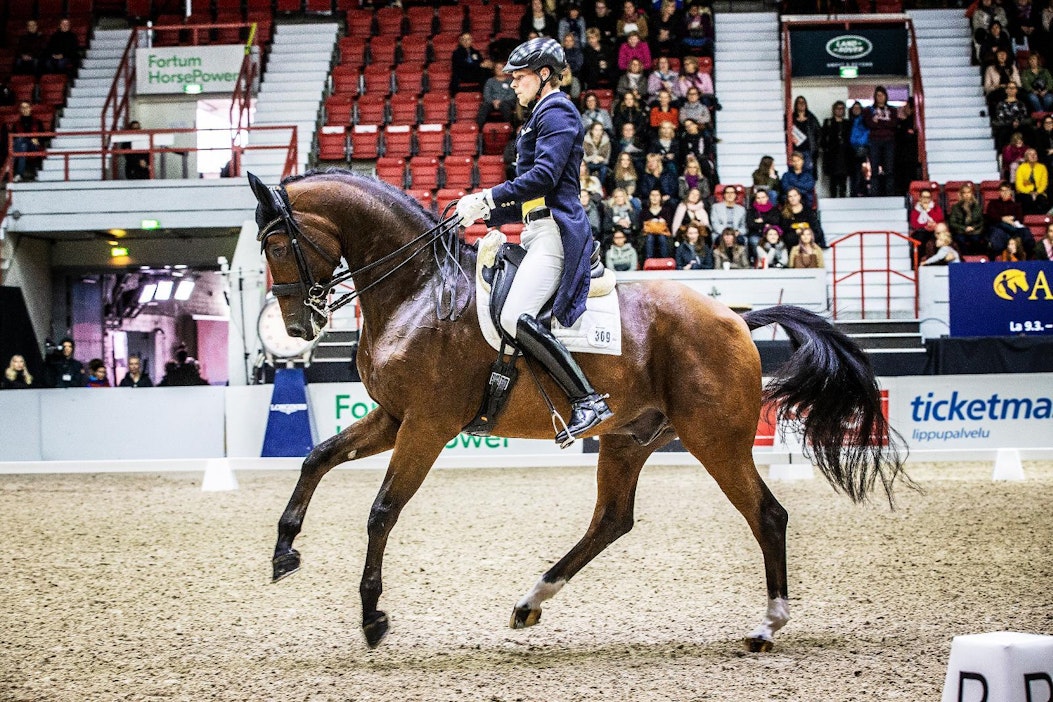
1024,184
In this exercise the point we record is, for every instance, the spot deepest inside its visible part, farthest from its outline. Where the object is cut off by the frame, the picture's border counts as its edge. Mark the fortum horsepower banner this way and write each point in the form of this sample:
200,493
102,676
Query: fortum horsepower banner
188,69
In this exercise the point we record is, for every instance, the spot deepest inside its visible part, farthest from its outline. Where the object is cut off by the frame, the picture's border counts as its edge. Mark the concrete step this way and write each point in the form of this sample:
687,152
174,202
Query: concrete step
943,94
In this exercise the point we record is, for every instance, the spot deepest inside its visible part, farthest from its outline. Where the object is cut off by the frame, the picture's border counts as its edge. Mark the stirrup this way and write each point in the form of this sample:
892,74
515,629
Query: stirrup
594,403
570,438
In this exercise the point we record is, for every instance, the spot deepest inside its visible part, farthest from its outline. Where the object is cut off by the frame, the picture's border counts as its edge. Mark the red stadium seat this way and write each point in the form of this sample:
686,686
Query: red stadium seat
370,109
718,192
23,88
352,51
660,264
321,7
459,172
431,140
443,46
435,109
951,189
359,23
382,50
475,232
228,35
377,79
420,22
705,65
466,106
481,25
228,7
53,88
491,170
346,80
46,115
988,191
916,186
398,141
339,109
424,197
451,20
288,6
438,77
408,79
1037,223
464,138
604,96
413,50
365,142
447,195
495,136
332,143
392,170
404,108
424,172
389,21
975,259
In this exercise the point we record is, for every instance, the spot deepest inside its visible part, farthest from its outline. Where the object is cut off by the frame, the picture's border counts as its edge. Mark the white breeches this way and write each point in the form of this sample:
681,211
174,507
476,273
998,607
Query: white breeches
539,274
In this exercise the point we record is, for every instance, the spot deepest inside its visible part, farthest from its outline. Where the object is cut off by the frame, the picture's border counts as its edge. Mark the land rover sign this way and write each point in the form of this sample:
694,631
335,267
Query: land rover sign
869,49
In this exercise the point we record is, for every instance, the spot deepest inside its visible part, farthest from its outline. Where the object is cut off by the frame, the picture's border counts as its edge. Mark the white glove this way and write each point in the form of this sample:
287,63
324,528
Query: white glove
475,206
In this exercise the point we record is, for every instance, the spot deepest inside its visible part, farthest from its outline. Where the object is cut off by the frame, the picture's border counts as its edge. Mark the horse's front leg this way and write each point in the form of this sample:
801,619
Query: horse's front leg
370,435
417,446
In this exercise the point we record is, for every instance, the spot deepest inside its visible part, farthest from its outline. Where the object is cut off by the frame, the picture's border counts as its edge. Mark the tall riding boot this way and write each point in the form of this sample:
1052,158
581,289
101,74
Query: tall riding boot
588,407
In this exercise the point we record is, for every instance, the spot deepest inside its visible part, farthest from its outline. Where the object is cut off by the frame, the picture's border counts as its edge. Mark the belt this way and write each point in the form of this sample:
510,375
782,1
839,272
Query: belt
536,214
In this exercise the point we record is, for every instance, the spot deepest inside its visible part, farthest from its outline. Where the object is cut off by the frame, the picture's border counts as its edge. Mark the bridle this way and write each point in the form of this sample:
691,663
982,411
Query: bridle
315,293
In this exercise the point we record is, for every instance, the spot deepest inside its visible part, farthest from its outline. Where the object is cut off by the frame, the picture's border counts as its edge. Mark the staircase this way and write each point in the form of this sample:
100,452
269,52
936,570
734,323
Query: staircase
298,66
83,108
957,130
747,67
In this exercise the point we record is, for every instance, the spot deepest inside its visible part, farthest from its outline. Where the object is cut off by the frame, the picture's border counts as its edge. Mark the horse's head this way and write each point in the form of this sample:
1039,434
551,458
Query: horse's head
301,257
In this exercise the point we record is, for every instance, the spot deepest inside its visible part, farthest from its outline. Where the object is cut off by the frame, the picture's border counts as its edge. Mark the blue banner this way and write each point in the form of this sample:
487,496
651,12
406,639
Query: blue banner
1001,299
289,421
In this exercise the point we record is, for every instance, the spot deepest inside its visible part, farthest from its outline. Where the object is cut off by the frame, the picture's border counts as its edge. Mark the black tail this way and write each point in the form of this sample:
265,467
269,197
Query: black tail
829,390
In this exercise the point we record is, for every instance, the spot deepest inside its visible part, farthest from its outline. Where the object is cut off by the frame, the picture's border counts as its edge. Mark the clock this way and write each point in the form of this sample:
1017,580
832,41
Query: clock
276,342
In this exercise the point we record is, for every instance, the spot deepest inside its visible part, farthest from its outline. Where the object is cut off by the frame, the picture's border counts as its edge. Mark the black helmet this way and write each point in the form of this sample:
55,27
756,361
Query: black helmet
535,54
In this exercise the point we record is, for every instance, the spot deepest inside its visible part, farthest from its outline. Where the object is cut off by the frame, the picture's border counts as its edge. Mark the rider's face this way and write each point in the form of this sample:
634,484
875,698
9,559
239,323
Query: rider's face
526,84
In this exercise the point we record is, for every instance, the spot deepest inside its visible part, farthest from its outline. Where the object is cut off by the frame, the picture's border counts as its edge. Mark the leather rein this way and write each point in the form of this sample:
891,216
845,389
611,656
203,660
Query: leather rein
315,293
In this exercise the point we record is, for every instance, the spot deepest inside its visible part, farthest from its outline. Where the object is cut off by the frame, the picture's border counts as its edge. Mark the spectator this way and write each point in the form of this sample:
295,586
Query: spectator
625,174
655,224
183,371
1044,248
633,81
25,167
136,163
657,176
62,54
16,375
1037,83
694,108
771,252
691,77
629,110
880,120
28,50
945,252
696,37
666,145
865,185
767,177
63,370
1021,21
694,179
804,133
634,48
997,40
1010,116
135,377
598,62
1013,155
907,164
693,144
760,214
837,155
572,23
1004,219
859,140
1014,251
605,21
1032,181
623,215
97,374
592,112
537,22
729,214
691,210
662,78
1043,141
621,256
966,222
570,84
592,212
629,143
589,182
986,13
665,30
632,20
598,152
664,111
795,217
692,254
800,178
924,217
499,100
470,68
7,97
997,78
573,53
729,253
807,254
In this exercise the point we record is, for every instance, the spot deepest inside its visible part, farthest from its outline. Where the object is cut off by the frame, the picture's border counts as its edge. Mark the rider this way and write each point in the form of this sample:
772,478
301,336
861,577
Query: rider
556,235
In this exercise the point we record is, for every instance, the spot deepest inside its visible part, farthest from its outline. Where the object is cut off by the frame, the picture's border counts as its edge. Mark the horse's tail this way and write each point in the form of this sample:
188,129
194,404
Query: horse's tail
829,390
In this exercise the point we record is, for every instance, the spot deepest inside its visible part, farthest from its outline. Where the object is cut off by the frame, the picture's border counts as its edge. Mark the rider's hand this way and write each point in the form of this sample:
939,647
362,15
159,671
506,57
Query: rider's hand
474,206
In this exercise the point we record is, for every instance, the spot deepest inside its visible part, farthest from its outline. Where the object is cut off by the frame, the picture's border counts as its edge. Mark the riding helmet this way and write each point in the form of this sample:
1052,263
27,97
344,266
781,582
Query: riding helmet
536,54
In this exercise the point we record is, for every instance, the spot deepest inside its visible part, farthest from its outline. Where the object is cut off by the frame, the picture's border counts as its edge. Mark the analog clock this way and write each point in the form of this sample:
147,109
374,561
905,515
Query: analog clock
276,342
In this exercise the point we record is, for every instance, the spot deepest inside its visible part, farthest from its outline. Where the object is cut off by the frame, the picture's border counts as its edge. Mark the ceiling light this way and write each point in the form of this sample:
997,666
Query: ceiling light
147,293
164,290
184,289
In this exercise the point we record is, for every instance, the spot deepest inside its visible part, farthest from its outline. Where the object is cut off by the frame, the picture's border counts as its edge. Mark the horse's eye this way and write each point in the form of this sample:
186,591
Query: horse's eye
277,251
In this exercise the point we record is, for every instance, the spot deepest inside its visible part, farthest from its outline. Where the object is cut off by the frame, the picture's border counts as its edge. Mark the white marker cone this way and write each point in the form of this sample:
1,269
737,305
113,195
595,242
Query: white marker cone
1007,465
219,476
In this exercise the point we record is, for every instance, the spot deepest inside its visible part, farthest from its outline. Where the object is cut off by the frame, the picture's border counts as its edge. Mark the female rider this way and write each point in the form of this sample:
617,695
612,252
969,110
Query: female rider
556,234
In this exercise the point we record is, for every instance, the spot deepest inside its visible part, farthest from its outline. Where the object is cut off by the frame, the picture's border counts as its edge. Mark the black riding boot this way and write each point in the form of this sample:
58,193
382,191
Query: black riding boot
587,406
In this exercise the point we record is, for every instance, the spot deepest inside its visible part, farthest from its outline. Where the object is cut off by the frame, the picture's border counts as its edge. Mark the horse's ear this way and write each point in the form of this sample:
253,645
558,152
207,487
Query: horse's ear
262,193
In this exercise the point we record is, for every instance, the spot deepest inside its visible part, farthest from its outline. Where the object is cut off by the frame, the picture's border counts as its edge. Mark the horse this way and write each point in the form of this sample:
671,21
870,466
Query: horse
688,369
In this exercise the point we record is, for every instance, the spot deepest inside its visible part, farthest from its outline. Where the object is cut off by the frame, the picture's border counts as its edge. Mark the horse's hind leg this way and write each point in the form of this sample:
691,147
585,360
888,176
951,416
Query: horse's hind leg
372,434
617,473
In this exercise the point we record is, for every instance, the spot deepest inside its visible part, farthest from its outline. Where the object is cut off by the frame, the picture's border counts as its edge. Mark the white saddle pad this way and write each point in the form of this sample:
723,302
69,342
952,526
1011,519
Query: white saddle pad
598,330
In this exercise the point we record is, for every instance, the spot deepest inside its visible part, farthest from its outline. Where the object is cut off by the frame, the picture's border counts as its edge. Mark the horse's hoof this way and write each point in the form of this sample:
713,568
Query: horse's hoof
756,644
286,564
375,627
522,617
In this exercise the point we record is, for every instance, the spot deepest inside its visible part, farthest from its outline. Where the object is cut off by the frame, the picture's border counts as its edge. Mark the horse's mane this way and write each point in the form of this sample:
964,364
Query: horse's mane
378,187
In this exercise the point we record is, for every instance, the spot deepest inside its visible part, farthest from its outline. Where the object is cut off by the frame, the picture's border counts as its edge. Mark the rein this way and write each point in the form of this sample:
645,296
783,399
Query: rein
315,293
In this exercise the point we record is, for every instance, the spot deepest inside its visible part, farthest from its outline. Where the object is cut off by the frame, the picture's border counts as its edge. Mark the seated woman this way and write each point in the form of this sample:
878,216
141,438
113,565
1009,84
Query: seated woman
1032,182
945,251
691,77
625,175
693,178
1013,155
761,213
966,221
771,252
807,253
729,253
666,144
1037,84
622,214
692,254
664,110
592,112
655,222
767,177
924,217
798,176
597,156
662,78
621,256
691,210
795,217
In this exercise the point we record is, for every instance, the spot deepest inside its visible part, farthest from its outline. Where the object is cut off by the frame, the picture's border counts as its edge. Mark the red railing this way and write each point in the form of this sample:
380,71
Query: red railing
917,91
241,100
108,152
862,271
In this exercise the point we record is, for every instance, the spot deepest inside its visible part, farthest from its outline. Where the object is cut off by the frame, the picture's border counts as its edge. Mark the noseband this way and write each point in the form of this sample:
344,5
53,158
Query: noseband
315,293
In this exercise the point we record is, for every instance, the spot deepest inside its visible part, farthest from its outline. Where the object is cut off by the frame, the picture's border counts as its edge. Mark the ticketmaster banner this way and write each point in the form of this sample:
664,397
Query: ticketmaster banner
1001,299
171,69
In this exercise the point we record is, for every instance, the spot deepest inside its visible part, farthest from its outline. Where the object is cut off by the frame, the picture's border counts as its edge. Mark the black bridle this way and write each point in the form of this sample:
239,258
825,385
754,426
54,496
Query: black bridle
315,293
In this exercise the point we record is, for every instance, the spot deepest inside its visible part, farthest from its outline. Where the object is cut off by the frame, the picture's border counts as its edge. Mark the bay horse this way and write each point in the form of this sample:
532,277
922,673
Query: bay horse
688,369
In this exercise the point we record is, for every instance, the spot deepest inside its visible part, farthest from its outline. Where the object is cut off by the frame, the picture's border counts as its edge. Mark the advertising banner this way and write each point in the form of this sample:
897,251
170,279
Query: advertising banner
288,418
1001,299
188,69
871,50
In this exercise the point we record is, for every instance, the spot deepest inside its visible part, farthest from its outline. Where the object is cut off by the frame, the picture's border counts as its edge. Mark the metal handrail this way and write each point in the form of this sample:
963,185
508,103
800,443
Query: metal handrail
862,271
918,92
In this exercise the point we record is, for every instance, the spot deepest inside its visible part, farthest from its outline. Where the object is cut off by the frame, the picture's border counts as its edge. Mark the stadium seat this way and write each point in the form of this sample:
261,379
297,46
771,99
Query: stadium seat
424,197
288,7
346,80
23,88
466,106
1037,223
443,46
382,50
458,172
495,136
424,172
464,139
352,51
438,78
475,232
916,186
409,79
229,35
398,141
705,65
224,7
392,170
46,115
491,171
447,195
718,193
370,109
435,108
451,19
332,143
339,109
514,232
322,7
975,259
413,50
359,23
431,140
420,23
403,109
950,191
377,79
53,88
988,191
389,22
481,25
365,142
604,96
660,264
